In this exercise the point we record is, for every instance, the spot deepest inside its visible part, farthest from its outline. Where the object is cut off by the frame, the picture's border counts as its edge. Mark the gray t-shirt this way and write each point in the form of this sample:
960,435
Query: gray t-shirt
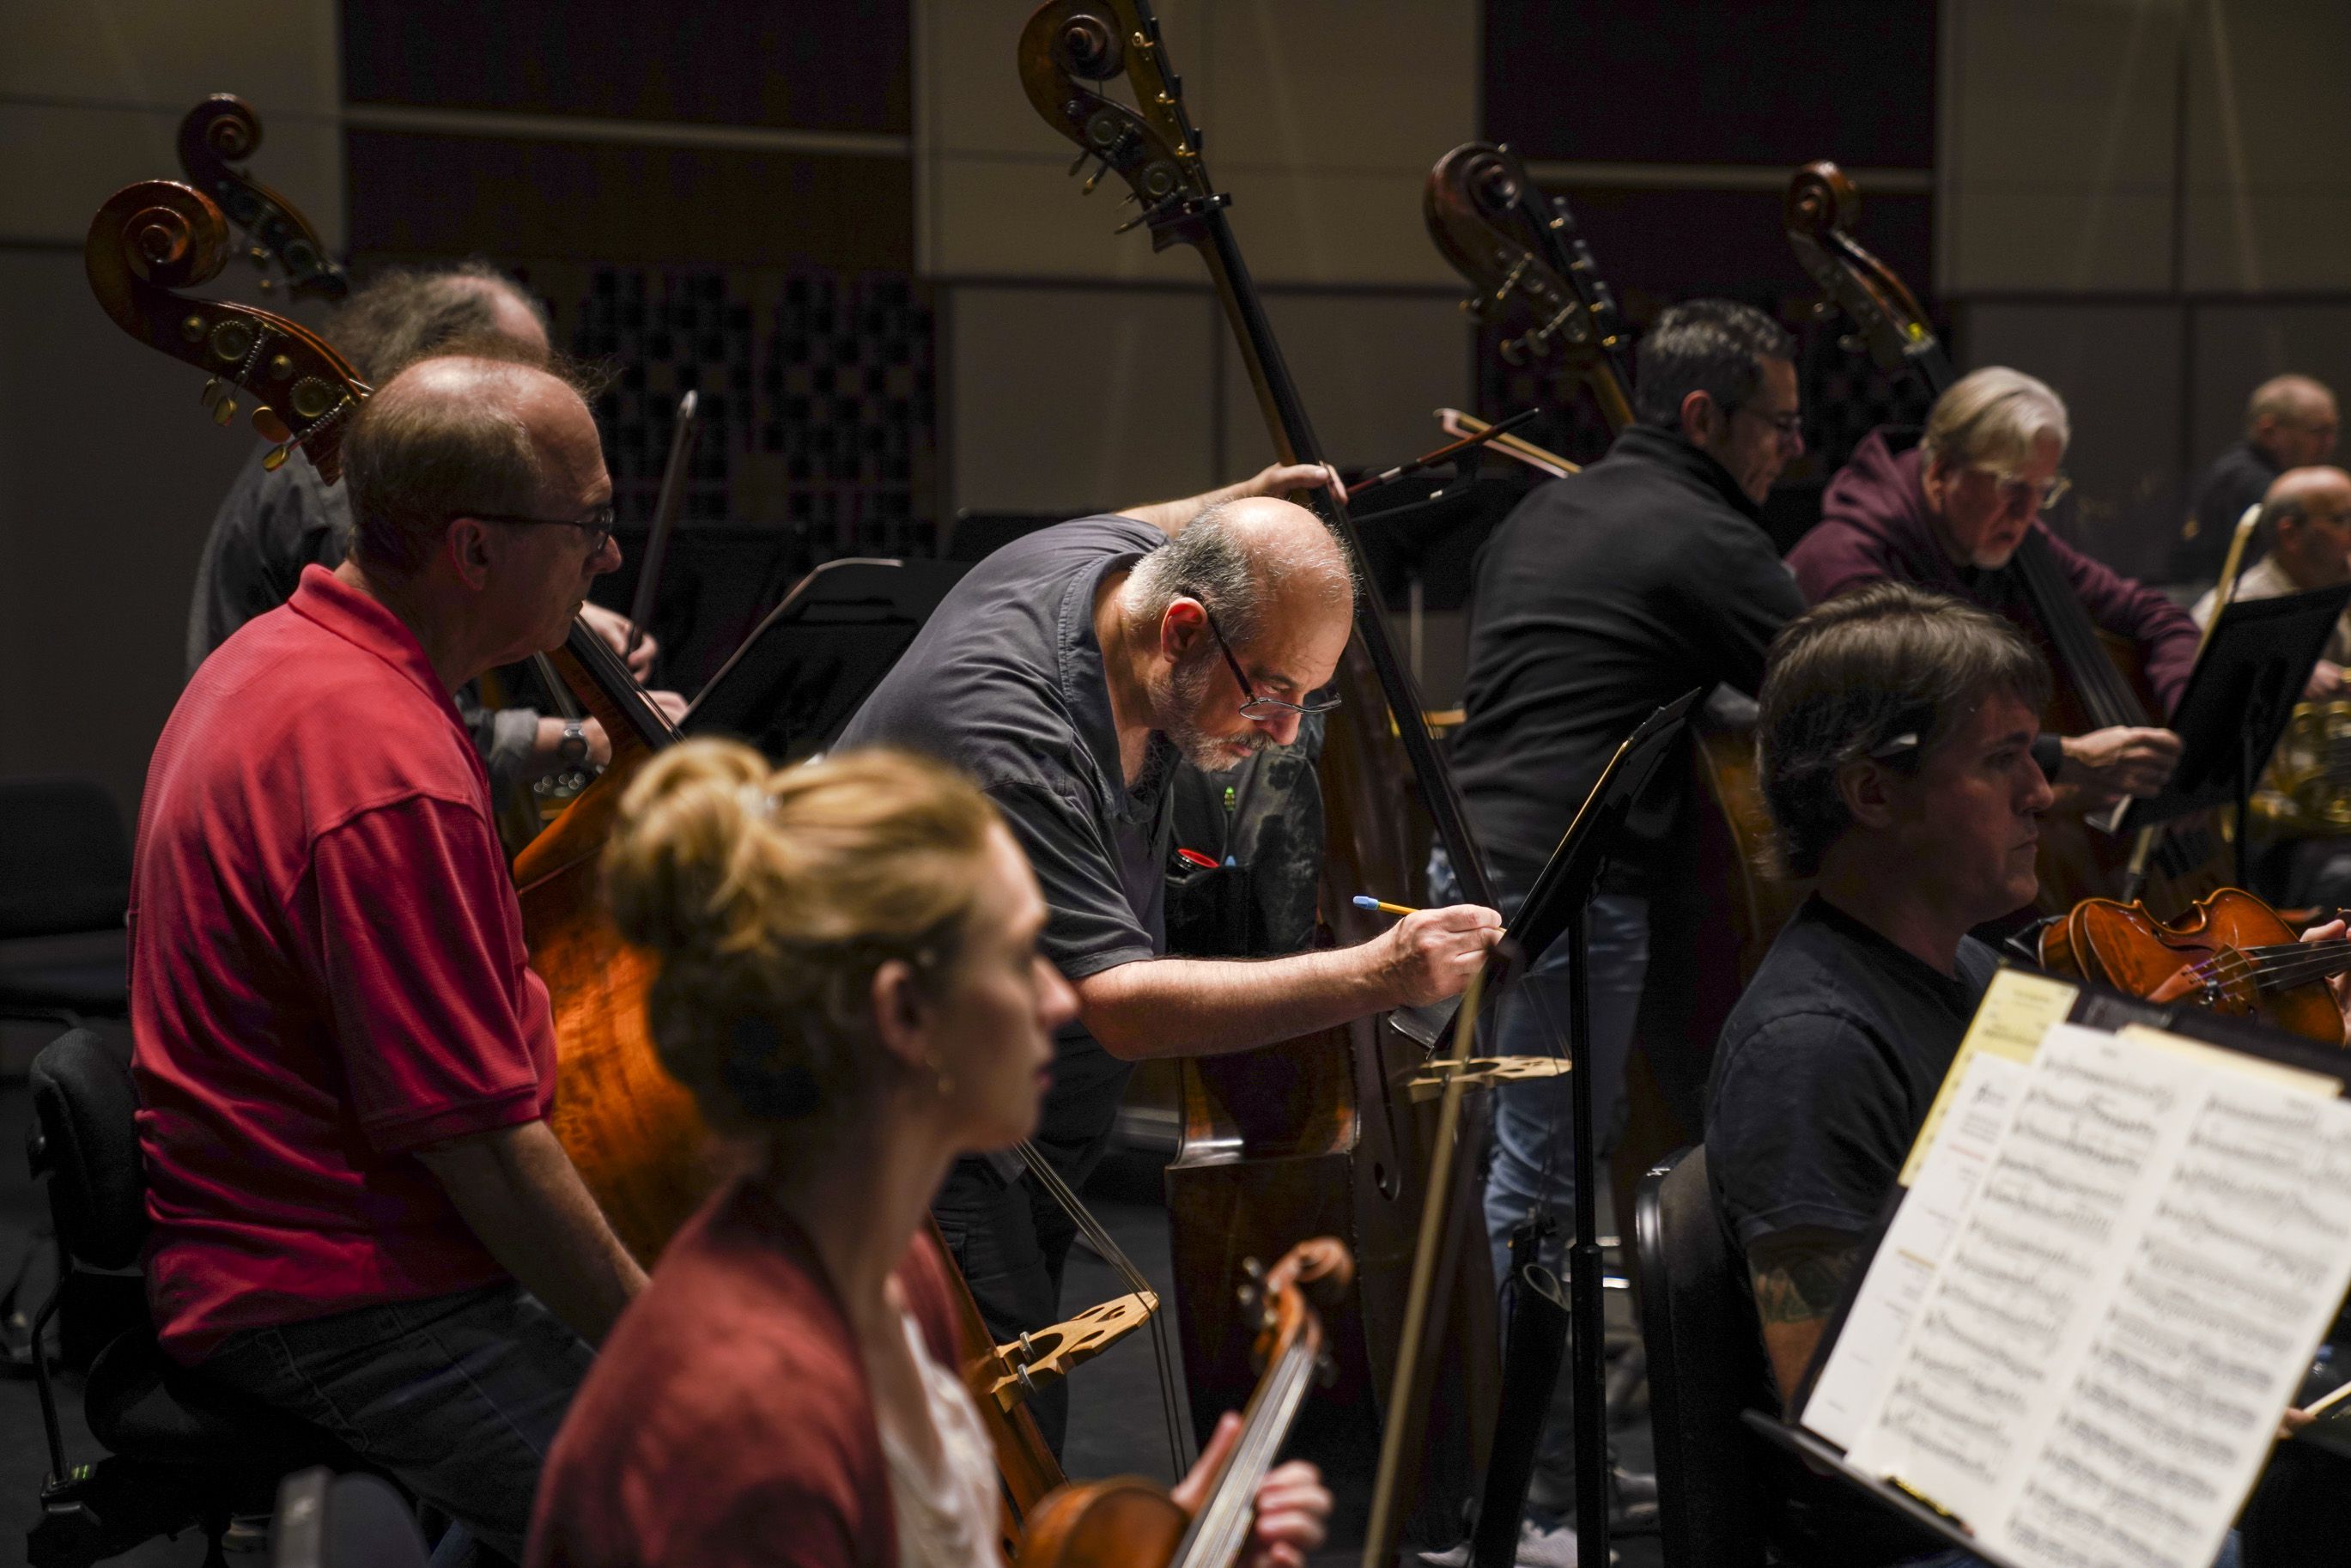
1006,683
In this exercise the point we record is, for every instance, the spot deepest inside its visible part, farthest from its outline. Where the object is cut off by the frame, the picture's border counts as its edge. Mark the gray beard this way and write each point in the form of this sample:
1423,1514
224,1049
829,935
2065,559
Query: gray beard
1208,753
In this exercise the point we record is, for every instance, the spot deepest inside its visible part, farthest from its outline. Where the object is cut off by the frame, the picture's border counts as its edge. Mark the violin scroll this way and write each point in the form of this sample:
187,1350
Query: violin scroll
151,240
215,137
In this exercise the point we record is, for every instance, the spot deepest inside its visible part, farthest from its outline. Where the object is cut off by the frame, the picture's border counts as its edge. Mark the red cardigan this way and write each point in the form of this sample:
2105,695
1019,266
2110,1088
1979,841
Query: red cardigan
727,1420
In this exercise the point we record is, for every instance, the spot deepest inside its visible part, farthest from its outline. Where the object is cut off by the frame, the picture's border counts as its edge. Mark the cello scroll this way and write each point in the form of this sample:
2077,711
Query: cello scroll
151,240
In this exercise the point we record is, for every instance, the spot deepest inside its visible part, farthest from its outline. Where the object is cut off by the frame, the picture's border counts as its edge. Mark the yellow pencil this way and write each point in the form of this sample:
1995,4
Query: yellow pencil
1366,901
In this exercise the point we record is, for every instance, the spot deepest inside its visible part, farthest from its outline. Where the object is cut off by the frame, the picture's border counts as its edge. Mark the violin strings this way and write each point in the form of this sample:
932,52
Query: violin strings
2294,966
1222,1524
1099,1238
2259,958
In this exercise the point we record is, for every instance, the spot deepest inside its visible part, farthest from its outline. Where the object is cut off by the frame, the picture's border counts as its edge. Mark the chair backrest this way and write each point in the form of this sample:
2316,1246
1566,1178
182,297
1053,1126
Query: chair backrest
65,857
358,1520
84,1138
1706,1359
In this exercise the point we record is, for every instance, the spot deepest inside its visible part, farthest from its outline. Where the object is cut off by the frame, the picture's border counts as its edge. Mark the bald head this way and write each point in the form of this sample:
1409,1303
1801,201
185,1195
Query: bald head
462,434
2293,419
2306,515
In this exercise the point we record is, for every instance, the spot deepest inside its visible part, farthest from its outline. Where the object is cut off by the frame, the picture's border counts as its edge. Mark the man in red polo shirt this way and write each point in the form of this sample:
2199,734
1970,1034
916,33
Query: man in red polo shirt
344,1061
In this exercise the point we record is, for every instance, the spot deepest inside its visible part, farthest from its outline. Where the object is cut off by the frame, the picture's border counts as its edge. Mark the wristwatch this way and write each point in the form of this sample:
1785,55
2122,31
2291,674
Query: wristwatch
572,749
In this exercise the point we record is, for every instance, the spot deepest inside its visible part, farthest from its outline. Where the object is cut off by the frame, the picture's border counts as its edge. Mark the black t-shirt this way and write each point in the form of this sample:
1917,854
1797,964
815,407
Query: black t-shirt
1006,683
1601,597
1822,1077
272,523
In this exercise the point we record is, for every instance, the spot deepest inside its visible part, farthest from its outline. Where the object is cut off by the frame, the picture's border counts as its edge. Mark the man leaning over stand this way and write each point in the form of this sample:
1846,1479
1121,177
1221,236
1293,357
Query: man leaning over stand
1067,674
344,1061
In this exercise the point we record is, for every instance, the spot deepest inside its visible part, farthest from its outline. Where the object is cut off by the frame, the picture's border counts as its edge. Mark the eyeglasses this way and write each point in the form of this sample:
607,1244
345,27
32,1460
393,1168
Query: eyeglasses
2015,490
594,528
1253,706
1788,426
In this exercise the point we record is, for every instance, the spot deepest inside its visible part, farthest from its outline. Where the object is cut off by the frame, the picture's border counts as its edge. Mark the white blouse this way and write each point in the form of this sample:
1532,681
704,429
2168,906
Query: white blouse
947,1518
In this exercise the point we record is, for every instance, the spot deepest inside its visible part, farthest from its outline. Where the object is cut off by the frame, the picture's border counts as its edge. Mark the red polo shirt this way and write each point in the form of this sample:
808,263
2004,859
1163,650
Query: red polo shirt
327,971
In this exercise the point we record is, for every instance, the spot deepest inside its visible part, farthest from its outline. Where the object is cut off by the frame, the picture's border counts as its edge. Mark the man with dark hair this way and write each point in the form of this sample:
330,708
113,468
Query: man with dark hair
2289,423
1067,674
344,1061
1895,749
1603,595
1948,508
274,522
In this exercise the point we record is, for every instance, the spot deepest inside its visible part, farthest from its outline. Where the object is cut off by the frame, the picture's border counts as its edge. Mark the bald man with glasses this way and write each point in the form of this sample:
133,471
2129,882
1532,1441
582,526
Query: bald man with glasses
1069,674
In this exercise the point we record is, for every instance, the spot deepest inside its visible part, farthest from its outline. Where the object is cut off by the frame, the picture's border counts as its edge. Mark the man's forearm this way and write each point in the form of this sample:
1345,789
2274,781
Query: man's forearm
1206,1007
519,1193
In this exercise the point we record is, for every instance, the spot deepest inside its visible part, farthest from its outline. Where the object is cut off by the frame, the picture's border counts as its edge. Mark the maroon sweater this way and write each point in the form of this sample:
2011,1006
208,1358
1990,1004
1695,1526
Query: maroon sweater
1874,525
727,1422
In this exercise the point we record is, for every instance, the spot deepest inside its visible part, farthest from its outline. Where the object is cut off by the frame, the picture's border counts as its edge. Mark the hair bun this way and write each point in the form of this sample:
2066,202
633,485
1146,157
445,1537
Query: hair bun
681,847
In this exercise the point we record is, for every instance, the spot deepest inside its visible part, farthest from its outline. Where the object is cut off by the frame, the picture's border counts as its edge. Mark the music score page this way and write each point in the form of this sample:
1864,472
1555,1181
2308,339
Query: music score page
2125,1255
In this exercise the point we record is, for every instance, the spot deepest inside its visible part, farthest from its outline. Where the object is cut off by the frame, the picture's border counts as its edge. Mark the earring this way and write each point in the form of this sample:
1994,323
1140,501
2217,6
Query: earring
942,1084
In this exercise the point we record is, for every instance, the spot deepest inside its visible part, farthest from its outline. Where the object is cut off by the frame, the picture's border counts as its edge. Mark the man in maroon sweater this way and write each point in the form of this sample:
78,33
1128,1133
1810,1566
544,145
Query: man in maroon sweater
1948,514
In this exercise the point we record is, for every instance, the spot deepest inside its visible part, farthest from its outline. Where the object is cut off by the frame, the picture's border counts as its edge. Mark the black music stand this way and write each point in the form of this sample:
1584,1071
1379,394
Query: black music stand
1554,911
2246,682
805,668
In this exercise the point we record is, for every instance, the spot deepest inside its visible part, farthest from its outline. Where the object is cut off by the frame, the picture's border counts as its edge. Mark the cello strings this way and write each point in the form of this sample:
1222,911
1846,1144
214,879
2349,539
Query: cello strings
1099,1239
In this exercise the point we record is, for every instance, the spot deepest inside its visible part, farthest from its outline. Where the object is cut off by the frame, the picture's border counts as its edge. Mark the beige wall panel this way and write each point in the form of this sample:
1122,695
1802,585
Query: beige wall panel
109,477
1333,84
2269,198
1023,220
1369,369
98,87
2238,347
2055,167
1071,399
2119,369
1336,225
1320,117
87,155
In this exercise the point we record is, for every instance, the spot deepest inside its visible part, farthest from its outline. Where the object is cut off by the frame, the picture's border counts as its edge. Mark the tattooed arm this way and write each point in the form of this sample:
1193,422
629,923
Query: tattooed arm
1799,1277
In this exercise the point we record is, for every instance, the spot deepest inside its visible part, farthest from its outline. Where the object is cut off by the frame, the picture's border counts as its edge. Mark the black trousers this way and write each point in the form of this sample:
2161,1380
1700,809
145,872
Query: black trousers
1011,1240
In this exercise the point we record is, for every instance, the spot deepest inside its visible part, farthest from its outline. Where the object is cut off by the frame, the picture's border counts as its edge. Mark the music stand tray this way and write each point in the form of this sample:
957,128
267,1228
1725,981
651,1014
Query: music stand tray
2239,698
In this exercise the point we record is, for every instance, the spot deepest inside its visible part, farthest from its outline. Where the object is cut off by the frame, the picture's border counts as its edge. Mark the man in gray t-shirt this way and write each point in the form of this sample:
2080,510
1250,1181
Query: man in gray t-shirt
1067,674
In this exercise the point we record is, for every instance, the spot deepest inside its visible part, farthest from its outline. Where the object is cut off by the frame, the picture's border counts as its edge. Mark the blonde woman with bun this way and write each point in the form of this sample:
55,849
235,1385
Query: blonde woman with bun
850,985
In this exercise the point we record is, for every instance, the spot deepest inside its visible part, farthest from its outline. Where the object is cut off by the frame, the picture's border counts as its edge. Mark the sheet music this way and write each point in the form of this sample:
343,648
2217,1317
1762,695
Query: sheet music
1974,1115
2093,1374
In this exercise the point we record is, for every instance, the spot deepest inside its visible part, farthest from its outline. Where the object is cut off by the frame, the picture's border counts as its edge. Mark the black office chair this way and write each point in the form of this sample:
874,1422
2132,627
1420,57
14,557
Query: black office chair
183,1450
1706,1357
65,879
327,1520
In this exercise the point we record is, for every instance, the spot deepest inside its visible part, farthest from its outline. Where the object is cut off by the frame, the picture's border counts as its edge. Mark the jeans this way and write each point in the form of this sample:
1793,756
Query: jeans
459,1396
1011,1241
1534,1144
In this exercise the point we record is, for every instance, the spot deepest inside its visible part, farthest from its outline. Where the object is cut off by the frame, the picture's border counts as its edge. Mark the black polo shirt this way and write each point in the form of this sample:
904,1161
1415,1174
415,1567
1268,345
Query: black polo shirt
1006,683
1822,1077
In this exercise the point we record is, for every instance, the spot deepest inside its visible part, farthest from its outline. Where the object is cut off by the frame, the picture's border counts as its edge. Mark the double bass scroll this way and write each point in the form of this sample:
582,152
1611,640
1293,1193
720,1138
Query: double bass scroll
158,236
216,136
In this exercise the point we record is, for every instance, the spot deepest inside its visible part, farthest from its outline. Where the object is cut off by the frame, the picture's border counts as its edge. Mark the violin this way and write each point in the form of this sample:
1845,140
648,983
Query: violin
1128,1523
215,137
2230,953
1303,1134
